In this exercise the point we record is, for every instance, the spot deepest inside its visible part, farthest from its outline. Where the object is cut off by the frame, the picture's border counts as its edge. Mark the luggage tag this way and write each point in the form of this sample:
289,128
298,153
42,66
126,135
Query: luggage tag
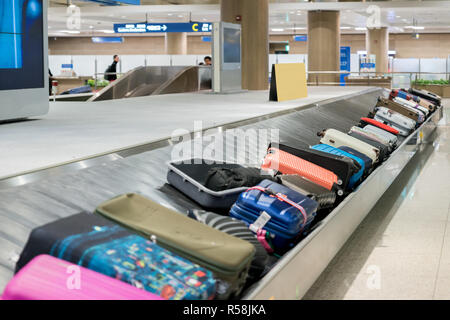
257,227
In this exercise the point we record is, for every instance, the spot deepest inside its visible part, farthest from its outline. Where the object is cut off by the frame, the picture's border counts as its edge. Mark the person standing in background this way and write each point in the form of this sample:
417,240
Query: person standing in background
111,71
208,60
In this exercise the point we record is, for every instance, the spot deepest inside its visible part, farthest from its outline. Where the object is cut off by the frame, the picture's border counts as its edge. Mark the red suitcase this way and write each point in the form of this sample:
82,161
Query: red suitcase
365,121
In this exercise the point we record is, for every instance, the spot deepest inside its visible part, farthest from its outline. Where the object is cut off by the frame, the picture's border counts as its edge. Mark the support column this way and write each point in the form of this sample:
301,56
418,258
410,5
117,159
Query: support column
255,39
176,43
323,44
377,43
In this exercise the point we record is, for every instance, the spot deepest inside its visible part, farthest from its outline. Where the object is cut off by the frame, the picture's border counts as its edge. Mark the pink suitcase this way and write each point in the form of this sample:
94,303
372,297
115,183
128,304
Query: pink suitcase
49,278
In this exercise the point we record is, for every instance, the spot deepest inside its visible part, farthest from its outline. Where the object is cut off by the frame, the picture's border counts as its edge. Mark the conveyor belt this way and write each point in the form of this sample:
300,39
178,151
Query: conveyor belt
66,193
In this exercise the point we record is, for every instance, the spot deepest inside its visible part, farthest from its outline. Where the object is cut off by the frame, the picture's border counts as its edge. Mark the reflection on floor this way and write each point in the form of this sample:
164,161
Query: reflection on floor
402,249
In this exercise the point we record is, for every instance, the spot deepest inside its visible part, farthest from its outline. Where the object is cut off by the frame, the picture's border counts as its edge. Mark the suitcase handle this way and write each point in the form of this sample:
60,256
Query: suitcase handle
282,198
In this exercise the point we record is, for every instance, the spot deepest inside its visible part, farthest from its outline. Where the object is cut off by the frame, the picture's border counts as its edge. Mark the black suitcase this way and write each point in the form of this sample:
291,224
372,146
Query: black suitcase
427,95
367,161
343,167
384,149
192,178
324,197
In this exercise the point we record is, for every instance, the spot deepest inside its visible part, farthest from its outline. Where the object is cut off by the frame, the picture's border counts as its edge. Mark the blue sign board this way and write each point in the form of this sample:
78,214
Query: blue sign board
206,39
162,27
67,66
107,39
345,63
301,38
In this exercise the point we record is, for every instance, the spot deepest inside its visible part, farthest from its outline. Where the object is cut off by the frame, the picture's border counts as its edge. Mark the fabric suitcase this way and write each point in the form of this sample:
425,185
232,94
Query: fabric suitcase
407,111
238,229
273,208
384,149
97,244
322,196
389,137
83,89
48,278
372,136
367,161
338,139
403,124
332,150
227,256
343,167
366,121
190,178
430,96
412,104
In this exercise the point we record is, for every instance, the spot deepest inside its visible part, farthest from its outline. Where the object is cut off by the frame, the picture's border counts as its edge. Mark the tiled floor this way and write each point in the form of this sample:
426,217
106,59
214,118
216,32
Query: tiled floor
402,249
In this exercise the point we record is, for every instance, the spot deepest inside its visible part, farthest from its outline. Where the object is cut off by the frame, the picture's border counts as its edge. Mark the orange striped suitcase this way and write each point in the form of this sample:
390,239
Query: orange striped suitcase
287,163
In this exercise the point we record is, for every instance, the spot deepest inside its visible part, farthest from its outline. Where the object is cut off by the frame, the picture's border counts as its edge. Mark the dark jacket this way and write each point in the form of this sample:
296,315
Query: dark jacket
111,69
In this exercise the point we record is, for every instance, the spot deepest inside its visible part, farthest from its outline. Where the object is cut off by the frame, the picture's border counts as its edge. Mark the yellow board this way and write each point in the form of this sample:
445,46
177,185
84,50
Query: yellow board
290,81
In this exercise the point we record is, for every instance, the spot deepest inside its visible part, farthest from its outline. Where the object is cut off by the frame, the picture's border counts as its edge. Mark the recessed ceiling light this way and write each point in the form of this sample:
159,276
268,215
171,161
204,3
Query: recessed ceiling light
414,27
277,29
397,16
91,27
107,31
170,14
180,16
360,29
345,28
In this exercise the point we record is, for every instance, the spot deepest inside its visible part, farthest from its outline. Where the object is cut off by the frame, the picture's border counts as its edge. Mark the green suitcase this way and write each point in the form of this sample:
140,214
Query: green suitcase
227,256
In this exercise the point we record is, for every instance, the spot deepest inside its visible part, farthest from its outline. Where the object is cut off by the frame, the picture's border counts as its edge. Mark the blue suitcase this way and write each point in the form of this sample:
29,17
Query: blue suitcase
284,220
355,178
367,161
83,89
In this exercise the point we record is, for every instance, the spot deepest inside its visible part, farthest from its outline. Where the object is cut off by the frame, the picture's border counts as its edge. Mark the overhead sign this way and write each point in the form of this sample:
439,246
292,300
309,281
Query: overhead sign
107,39
301,38
162,27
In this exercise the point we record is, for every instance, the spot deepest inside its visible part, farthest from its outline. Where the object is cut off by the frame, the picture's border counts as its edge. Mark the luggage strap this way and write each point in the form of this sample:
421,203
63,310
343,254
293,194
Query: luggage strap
283,198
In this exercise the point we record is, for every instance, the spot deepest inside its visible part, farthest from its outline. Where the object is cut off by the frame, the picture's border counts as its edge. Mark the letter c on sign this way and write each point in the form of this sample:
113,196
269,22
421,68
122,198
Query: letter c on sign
195,27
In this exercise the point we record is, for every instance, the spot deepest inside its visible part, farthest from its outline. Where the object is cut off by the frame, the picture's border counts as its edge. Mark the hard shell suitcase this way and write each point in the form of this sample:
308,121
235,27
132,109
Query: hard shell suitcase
421,101
238,229
403,124
372,136
48,278
343,167
102,246
227,256
272,210
381,125
407,111
367,161
384,149
287,163
430,96
338,139
411,104
190,178
332,150
322,196
392,139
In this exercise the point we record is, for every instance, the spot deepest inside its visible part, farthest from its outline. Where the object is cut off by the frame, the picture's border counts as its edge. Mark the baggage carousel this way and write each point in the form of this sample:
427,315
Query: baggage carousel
41,197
